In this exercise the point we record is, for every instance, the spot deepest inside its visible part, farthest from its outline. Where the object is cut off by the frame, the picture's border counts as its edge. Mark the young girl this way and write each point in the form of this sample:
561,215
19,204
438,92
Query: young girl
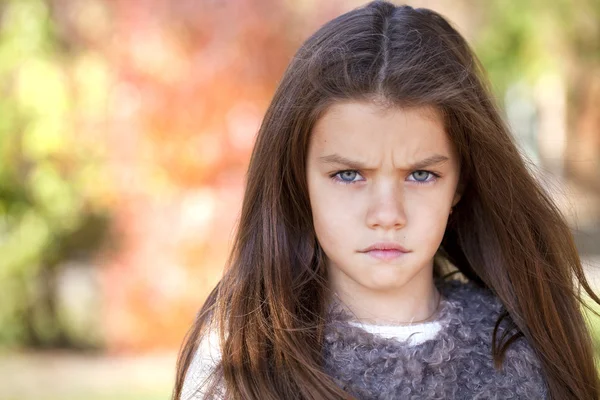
392,243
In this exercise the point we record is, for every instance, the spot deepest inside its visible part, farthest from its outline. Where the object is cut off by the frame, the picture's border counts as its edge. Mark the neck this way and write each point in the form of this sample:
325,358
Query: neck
416,302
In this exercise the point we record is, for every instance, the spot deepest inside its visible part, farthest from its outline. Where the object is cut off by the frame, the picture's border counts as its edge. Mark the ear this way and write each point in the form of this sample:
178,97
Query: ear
456,199
460,188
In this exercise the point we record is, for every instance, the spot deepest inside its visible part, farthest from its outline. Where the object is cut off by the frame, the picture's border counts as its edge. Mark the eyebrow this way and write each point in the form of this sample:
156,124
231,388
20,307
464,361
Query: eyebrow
337,159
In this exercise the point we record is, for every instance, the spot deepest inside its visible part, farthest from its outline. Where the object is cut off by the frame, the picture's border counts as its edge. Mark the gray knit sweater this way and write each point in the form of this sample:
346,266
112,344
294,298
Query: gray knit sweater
453,363
456,364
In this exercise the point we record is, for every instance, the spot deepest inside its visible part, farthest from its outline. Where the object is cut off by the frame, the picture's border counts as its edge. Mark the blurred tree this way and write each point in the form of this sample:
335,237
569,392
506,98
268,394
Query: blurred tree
48,213
173,120
196,78
525,40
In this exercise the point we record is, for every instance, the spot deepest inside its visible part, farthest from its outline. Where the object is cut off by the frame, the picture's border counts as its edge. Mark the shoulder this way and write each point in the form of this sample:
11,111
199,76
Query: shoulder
206,359
522,365
477,309
473,304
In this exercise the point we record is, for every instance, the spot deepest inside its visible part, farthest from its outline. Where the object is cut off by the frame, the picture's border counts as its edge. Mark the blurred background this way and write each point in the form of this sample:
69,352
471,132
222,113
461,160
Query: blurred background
125,131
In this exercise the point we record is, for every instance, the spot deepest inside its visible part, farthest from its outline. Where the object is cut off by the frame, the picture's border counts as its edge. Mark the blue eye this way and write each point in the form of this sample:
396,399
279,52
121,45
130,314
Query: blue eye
424,174
347,176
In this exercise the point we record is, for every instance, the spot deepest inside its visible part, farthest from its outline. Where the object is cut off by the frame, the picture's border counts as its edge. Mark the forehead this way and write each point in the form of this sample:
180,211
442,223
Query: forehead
368,127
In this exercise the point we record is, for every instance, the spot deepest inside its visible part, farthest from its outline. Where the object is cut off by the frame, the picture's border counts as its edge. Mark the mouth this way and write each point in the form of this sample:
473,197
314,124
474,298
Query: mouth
385,251
385,254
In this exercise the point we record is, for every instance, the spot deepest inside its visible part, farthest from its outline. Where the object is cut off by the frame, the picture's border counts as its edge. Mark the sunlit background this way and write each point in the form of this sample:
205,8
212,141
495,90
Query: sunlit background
125,131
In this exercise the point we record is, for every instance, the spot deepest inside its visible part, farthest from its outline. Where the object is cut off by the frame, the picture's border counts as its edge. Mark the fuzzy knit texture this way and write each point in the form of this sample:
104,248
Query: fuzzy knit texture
448,358
456,364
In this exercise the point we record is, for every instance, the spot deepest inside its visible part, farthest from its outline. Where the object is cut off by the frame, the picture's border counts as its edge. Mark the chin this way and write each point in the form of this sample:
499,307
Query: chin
386,281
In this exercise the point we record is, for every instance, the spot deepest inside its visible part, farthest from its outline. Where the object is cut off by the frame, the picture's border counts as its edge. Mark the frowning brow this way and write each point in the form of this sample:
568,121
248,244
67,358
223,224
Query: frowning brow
337,159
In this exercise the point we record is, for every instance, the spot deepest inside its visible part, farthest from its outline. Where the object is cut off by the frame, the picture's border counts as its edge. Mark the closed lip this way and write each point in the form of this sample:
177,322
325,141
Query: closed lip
385,246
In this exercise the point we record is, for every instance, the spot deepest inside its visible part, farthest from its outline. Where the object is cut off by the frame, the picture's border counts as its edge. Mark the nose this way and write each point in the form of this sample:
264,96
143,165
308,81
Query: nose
386,208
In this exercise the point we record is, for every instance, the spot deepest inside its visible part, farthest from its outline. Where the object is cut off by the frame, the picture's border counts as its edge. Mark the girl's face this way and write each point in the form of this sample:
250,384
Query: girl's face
380,176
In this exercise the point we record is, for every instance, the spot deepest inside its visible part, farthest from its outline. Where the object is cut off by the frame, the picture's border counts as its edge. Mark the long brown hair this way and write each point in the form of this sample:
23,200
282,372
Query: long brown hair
505,234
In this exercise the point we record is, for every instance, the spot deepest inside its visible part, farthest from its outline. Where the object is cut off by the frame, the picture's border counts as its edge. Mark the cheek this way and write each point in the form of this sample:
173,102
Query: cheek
428,219
332,234
330,201
333,216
